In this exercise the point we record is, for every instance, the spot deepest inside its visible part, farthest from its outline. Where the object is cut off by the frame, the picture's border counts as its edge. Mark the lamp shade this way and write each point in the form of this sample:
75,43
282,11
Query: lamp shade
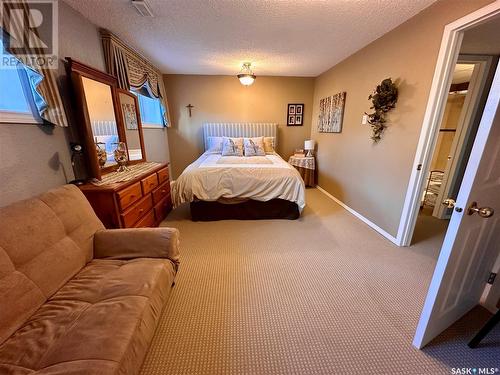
309,144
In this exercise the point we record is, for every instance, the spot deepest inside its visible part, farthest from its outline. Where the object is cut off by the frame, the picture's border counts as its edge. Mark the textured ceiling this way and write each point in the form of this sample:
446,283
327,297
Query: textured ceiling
280,37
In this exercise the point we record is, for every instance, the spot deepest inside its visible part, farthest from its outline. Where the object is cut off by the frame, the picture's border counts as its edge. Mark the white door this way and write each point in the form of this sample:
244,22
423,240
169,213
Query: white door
472,242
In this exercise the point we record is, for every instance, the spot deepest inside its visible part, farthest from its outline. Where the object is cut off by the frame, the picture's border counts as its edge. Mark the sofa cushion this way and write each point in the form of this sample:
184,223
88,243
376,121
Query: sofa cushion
44,242
76,214
100,322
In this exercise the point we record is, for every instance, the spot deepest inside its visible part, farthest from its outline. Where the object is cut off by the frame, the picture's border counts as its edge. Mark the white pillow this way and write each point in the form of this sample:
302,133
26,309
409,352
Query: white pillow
215,145
269,145
254,146
232,147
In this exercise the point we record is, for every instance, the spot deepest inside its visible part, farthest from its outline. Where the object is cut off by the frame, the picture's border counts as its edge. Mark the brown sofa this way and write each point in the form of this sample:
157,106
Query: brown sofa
76,298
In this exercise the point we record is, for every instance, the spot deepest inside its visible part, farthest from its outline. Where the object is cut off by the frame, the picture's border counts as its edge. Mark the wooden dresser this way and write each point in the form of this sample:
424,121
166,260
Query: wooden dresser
144,201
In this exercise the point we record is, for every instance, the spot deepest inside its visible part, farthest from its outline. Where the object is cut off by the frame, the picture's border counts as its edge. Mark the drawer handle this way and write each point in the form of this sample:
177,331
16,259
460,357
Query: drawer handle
141,210
132,196
163,191
151,184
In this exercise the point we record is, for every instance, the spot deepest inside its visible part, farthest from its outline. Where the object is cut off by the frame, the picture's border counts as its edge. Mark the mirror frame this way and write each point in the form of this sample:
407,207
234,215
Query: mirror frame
77,70
139,123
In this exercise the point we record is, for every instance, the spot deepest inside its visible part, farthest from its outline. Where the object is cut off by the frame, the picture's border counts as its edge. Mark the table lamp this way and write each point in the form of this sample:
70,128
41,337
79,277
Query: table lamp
309,146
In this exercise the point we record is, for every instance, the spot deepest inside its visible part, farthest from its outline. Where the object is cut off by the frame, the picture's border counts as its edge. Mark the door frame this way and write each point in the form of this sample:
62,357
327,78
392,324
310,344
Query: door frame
443,74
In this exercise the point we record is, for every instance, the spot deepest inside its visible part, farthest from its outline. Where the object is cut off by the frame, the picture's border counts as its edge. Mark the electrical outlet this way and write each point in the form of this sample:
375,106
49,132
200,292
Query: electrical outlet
364,121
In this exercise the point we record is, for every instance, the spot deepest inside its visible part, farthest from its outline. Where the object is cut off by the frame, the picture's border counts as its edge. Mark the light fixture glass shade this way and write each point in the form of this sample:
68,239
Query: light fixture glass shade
246,75
246,79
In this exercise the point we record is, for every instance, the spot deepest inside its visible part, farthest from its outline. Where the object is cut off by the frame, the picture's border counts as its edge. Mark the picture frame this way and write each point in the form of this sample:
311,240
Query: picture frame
130,117
331,113
295,114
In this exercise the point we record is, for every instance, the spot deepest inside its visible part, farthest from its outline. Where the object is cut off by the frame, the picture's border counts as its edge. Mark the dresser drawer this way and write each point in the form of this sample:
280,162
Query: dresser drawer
129,195
162,175
163,208
134,213
146,221
149,183
161,192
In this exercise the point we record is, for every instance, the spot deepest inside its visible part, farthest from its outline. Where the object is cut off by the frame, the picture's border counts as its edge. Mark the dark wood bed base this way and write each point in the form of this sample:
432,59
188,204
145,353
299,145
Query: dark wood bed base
248,210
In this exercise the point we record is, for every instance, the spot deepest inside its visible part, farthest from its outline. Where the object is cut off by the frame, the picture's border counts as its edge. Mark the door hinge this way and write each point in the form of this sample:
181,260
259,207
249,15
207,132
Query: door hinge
419,167
491,278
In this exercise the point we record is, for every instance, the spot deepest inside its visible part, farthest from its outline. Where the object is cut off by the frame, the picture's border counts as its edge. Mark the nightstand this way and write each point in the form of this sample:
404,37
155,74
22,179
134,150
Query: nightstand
306,165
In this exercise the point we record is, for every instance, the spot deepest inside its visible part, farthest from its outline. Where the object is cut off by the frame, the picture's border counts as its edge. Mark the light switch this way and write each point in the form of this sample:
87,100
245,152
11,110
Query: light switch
364,121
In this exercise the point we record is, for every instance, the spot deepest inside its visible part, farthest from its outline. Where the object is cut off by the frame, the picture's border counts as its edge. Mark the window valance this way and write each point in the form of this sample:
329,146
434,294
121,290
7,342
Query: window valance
133,71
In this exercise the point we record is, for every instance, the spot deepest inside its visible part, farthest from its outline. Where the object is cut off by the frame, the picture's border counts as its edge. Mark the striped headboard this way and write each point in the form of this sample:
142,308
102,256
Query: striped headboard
104,128
239,129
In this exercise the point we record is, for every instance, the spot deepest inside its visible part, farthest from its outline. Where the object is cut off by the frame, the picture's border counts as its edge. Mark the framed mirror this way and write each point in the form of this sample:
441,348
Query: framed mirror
102,122
101,113
131,120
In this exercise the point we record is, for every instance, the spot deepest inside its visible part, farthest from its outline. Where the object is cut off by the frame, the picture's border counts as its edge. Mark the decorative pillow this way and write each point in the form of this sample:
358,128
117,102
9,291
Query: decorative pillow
215,145
232,147
269,145
254,146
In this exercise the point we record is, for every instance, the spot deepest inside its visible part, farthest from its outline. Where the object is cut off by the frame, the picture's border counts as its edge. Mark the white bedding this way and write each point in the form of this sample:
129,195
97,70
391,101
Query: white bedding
213,176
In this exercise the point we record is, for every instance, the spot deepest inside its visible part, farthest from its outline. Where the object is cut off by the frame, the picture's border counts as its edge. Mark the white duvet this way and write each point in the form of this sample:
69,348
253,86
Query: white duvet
262,178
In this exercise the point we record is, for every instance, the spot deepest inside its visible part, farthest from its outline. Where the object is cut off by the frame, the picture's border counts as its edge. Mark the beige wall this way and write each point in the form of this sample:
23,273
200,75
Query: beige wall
373,178
224,99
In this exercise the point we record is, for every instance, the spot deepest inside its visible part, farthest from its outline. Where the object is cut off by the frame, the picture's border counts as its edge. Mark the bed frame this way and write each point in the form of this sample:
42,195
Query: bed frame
250,209
247,210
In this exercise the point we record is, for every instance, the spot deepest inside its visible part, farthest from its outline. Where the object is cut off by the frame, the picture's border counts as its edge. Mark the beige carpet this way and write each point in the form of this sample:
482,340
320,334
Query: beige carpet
321,295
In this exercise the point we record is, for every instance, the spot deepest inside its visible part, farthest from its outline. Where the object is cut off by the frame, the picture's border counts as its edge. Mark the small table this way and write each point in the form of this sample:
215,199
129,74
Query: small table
306,165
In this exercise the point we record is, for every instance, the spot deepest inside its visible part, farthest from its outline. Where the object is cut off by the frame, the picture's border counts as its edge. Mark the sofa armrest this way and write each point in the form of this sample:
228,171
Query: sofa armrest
137,243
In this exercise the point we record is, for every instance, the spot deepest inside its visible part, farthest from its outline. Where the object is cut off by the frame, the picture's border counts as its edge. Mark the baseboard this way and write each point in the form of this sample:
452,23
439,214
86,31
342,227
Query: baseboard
372,225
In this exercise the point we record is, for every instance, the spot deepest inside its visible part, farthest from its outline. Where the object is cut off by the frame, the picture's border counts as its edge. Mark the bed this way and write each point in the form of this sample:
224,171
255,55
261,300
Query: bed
240,187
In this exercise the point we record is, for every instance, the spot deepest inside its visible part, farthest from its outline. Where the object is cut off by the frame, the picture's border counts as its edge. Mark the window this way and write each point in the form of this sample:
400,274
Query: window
151,113
16,102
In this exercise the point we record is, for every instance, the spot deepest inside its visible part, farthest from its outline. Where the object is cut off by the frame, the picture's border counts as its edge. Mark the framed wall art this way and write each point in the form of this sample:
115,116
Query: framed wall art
295,114
130,116
331,113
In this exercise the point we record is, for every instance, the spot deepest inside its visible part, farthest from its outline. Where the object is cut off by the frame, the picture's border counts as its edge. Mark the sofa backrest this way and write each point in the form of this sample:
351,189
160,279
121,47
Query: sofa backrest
44,242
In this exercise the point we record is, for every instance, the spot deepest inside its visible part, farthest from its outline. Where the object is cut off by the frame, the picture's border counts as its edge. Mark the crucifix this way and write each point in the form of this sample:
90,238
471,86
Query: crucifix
190,107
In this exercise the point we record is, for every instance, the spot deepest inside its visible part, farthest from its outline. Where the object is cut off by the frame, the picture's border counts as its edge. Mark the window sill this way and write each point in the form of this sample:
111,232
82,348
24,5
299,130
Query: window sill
152,126
10,117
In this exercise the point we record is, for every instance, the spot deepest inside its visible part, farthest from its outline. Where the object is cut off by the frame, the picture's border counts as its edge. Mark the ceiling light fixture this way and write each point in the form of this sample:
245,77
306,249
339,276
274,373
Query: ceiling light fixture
143,8
246,75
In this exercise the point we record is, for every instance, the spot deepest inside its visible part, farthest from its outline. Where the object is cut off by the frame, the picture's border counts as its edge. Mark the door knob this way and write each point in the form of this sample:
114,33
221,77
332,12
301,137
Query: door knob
449,202
485,212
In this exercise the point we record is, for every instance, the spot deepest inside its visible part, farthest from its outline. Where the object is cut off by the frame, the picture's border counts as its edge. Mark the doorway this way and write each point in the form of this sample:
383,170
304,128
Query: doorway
470,84
461,171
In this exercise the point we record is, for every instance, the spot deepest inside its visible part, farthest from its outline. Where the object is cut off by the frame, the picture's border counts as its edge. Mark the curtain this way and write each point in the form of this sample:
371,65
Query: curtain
41,79
133,71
